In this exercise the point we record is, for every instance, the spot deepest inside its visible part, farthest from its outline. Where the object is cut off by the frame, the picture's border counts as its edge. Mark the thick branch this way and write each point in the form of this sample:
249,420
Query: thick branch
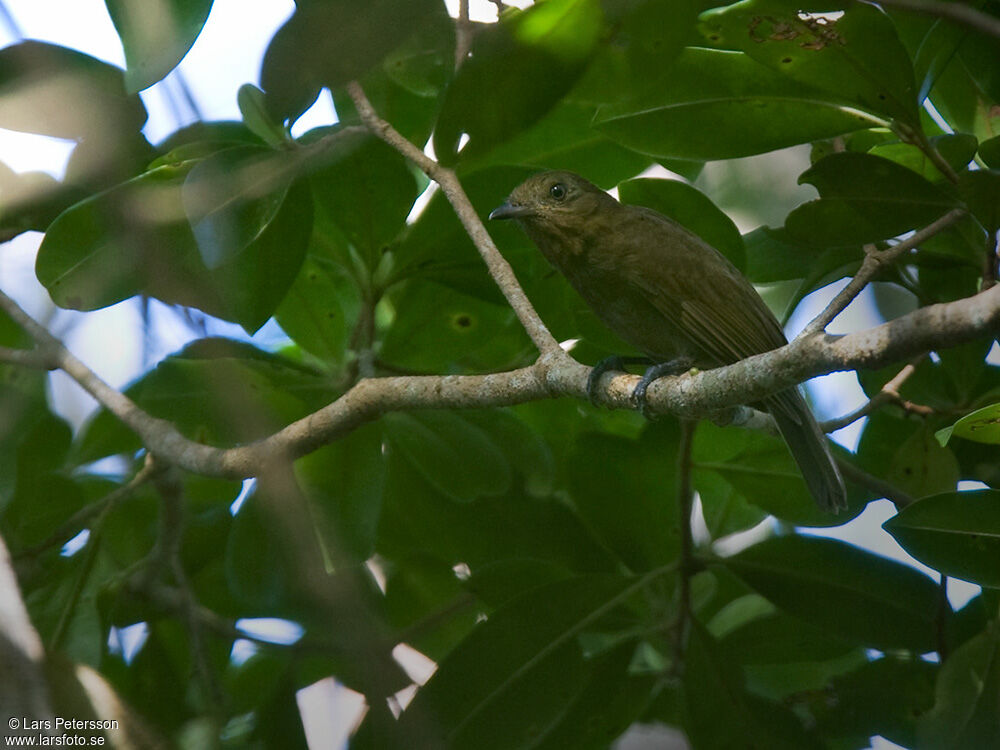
496,264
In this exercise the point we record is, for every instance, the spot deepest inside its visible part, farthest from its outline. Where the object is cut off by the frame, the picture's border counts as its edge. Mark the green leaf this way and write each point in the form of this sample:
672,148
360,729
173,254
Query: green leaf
862,597
921,466
714,688
761,469
565,139
253,107
723,105
518,69
343,482
517,674
367,191
63,93
436,329
155,35
690,207
980,189
864,198
644,531
456,456
956,149
989,152
968,689
778,638
331,43
957,533
982,426
857,58
885,697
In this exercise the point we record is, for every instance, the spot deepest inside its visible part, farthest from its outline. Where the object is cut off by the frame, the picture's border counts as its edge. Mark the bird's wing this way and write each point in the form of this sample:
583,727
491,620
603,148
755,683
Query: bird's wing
709,301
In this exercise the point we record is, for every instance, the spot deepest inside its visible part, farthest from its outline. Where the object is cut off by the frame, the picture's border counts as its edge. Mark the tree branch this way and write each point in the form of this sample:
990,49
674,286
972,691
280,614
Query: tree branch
496,264
873,262
954,11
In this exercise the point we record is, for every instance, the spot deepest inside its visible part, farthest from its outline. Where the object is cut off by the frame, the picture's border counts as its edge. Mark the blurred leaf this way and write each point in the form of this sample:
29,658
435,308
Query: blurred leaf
956,149
436,329
456,456
968,688
957,533
980,189
691,208
856,57
253,108
343,482
59,92
517,674
989,152
863,199
331,43
860,596
982,426
778,638
761,469
367,191
156,34
642,531
522,446
321,308
723,105
885,697
518,69
564,139
774,255
714,688
921,466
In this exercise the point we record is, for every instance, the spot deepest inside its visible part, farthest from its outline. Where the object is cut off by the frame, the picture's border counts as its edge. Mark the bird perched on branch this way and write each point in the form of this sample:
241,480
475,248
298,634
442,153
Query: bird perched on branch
669,294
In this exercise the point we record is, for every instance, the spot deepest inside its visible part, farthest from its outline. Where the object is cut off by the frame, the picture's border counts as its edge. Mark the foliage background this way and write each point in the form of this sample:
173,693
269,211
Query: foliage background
534,552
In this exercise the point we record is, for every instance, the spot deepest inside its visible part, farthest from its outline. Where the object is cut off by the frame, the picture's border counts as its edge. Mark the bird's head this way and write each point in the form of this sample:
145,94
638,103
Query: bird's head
553,200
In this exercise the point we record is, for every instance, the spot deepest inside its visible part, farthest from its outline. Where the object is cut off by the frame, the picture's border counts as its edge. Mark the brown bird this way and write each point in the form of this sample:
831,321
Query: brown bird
668,293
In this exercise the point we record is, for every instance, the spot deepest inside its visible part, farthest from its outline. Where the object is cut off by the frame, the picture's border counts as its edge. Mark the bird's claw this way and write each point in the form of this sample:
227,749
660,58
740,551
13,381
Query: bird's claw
614,363
657,371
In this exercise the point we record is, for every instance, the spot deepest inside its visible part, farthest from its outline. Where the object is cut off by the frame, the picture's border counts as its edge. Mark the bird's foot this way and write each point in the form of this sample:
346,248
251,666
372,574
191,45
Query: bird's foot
613,363
657,371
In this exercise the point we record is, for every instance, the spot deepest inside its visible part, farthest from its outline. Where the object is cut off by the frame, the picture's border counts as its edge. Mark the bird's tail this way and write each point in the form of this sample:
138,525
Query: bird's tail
809,449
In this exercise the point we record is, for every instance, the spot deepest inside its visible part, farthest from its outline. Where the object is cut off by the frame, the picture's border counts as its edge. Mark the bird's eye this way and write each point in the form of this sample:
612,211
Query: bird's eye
558,191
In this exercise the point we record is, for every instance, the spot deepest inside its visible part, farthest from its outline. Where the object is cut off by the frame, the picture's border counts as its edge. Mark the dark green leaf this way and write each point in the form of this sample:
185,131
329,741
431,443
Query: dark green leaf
690,207
957,533
865,598
714,688
631,509
63,93
367,191
989,152
863,199
980,189
258,120
343,482
921,466
884,697
331,43
857,58
515,676
518,70
968,689
156,35
456,456
956,149
723,105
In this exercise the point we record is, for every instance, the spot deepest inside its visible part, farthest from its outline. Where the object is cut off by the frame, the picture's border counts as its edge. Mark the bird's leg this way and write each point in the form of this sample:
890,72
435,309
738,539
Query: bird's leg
614,363
672,367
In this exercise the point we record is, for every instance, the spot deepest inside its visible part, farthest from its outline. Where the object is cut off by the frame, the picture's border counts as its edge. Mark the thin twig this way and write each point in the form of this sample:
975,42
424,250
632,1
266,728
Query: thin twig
991,263
76,523
463,33
496,264
888,393
873,262
952,11
941,619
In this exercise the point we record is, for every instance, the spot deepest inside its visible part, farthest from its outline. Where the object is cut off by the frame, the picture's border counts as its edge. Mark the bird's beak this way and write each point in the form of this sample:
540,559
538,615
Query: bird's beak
509,210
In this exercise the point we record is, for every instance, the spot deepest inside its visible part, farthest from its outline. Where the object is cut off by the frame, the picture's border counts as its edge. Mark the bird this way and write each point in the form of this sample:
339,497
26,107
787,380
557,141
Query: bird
668,293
